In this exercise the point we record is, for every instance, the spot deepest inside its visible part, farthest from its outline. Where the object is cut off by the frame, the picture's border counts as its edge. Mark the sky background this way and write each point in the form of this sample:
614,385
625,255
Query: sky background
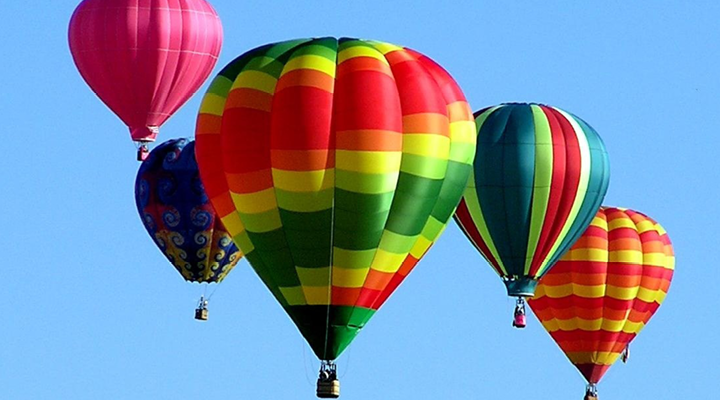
94,311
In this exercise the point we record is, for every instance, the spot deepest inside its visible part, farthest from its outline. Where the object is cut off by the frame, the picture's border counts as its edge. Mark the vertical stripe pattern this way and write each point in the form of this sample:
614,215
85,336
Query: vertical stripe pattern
335,164
600,295
539,176
145,58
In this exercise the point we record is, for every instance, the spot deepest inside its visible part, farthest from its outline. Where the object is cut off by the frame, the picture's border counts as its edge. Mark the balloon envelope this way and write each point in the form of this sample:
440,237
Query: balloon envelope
145,58
539,177
600,295
178,216
335,164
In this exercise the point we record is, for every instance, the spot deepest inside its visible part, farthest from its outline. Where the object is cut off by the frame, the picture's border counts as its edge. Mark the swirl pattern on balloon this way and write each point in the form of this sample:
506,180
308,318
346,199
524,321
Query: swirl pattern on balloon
177,214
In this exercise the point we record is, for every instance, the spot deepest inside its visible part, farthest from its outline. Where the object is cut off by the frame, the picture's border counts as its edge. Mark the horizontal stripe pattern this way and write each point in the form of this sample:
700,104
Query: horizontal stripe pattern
539,176
337,164
599,296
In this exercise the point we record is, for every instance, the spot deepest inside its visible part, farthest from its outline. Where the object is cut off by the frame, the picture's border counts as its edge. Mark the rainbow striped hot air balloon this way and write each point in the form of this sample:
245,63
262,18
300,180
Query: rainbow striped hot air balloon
600,295
539,177
335,164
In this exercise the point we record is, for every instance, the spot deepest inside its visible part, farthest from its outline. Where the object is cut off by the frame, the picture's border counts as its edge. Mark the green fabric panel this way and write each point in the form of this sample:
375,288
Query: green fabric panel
268,241
262,270
504,170
414,199
422,166
597,188
396,243
220,86
273,51
489,181
363,202
345,323
304,201
356,259
360,219
451,190
461,151
308,221
281,267
325,47
542,182
268,65
365,183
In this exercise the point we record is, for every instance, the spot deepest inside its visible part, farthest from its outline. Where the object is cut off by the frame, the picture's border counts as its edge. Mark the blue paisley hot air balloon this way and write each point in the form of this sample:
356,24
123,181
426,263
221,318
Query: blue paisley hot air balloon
178,216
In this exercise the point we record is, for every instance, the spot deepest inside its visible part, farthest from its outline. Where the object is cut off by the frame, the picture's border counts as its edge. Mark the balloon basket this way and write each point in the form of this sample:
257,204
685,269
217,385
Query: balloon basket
328,385
142,152
328,389
201,312
590,397
519,316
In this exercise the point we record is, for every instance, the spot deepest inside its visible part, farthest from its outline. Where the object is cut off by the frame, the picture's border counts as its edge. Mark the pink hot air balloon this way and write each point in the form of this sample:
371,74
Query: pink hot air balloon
145,58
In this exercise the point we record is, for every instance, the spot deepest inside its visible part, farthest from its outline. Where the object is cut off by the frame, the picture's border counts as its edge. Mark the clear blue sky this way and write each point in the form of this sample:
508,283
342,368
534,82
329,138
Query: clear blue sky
93,310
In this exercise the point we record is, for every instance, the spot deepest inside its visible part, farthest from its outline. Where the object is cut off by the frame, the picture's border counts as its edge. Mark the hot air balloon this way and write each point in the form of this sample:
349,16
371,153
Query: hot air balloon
145,58
335,164
179,218
539,177
600,295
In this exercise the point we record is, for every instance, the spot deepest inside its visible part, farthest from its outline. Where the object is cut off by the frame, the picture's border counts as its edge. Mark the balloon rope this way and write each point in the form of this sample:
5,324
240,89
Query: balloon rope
330,269
217,286
307,376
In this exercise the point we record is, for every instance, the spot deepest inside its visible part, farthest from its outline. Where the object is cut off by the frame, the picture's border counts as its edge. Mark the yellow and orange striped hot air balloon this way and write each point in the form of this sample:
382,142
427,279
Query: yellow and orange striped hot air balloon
599,296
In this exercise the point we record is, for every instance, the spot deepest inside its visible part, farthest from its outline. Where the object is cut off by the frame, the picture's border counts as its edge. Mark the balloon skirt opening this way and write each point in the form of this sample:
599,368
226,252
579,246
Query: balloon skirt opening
523,287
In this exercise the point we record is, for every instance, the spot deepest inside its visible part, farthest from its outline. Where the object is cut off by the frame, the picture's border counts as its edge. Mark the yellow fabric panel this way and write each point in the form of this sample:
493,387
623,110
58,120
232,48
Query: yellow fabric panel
386,261
586,254
213,104
361,51
599,222
463,132
601,358
349,277
303,181
655,259
627,256
648,295
369,162
429,145
317,295
384,47
644,226
253,203
420,247
255,80
621,223
293,295
232,223
310,61
622,293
